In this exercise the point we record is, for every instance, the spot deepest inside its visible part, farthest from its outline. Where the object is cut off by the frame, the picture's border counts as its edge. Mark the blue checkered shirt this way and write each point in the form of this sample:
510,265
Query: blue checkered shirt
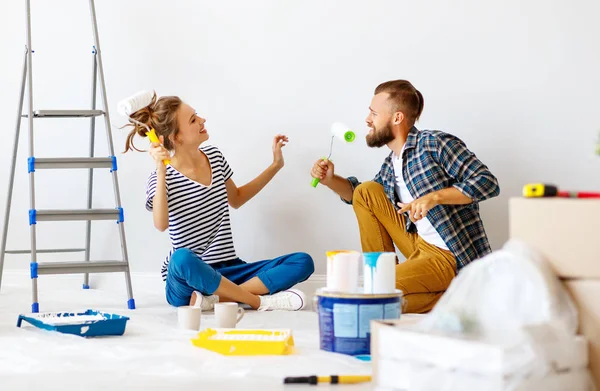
433,160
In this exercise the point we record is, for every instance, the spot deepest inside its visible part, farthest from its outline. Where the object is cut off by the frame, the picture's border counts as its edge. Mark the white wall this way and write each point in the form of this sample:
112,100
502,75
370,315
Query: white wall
516,80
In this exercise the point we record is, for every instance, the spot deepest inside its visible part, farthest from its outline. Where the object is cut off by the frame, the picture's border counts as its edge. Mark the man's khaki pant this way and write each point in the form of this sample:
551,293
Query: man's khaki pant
428,269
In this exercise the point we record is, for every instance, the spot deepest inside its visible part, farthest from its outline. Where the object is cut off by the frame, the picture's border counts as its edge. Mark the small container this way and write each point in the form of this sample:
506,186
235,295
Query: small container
343,271
188,317
379,272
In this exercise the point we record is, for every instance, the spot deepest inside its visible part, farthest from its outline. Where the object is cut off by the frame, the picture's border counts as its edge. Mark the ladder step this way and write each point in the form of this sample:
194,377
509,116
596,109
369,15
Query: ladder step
81,267
65,113
76,162
47,251
77,214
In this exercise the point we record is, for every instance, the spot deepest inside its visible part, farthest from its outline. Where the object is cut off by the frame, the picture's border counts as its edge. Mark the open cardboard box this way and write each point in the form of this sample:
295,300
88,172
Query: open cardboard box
405,358
586,295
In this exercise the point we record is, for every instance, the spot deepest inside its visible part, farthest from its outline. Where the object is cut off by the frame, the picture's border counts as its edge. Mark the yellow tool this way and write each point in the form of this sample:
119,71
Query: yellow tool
532,190
246,342
334,379
539,190
153,138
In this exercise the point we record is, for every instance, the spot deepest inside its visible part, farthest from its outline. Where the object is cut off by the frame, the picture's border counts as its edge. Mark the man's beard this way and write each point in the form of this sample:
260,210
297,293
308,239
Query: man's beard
380,137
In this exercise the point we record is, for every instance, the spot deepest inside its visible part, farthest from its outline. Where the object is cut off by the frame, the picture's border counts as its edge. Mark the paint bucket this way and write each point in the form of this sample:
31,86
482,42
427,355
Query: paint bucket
345,318
379,272
343,271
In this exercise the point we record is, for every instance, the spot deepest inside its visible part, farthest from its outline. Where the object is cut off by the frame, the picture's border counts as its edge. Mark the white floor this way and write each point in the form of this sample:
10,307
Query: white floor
153,354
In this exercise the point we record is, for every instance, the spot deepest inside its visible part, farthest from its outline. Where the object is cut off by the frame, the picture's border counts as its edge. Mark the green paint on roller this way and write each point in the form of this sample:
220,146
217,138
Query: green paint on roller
349,136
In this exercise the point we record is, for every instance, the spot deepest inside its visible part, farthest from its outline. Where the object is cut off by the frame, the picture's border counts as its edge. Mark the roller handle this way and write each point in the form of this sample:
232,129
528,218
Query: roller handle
153,138
315,181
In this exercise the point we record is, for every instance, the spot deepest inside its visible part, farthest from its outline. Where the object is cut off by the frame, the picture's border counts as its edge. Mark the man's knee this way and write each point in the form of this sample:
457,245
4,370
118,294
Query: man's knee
364,191
367,196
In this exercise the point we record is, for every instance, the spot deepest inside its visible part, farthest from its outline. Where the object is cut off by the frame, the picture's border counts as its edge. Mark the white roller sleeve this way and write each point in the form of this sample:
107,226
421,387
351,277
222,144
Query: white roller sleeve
339,130
135,102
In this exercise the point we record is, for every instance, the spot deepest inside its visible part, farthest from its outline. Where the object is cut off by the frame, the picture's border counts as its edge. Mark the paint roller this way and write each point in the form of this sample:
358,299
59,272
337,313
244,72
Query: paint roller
137,102
341,132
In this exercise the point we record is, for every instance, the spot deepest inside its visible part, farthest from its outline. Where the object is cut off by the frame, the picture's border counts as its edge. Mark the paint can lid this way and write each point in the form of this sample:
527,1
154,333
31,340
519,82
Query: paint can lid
333,253
372,257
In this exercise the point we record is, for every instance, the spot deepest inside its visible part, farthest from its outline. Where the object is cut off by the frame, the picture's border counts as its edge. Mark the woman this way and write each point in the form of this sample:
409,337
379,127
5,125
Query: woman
190,195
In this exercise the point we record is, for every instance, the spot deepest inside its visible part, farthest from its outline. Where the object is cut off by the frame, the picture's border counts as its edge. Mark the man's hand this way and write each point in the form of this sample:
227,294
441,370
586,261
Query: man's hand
418,208
324,171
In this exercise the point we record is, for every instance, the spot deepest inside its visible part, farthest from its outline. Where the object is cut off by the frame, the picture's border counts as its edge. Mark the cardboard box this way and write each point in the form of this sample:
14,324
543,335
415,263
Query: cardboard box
376,327
413,377
564,230
586,295
405,358
572,381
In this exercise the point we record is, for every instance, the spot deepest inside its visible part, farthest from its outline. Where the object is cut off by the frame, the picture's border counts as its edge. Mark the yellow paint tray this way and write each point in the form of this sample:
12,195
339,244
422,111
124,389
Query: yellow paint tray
246,342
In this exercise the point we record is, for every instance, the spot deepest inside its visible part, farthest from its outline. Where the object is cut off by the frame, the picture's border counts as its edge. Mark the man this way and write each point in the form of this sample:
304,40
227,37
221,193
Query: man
424,199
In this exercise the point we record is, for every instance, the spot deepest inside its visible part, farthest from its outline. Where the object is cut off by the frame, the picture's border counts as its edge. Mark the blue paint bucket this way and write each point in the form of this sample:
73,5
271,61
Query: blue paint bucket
345,318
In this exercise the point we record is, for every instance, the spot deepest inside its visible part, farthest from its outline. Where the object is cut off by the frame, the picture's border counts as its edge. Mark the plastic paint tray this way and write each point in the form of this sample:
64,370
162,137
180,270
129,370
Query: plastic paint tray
246,342
90,323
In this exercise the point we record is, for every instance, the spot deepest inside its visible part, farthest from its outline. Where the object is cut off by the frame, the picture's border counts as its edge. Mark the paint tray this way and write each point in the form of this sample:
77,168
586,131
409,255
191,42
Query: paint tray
246,342
90,323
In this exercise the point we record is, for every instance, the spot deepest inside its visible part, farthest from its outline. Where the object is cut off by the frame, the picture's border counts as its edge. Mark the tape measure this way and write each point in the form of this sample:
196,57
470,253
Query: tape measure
539,190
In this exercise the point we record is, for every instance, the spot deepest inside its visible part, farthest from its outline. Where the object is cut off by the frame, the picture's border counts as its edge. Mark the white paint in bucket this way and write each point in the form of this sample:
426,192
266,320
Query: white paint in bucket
343,271
379,273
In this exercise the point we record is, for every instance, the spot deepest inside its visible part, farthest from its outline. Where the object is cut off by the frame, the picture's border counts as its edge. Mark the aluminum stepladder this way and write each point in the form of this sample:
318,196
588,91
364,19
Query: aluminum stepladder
89,162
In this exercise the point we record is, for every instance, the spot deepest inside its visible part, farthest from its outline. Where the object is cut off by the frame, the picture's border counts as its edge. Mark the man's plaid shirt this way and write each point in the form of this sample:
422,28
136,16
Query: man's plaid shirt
433,160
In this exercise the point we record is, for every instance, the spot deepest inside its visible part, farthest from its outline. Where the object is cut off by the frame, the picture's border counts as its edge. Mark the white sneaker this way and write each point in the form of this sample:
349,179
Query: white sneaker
289,300
207,303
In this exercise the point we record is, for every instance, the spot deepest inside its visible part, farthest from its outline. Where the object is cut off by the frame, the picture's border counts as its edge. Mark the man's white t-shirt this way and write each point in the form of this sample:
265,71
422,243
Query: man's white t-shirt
426,230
